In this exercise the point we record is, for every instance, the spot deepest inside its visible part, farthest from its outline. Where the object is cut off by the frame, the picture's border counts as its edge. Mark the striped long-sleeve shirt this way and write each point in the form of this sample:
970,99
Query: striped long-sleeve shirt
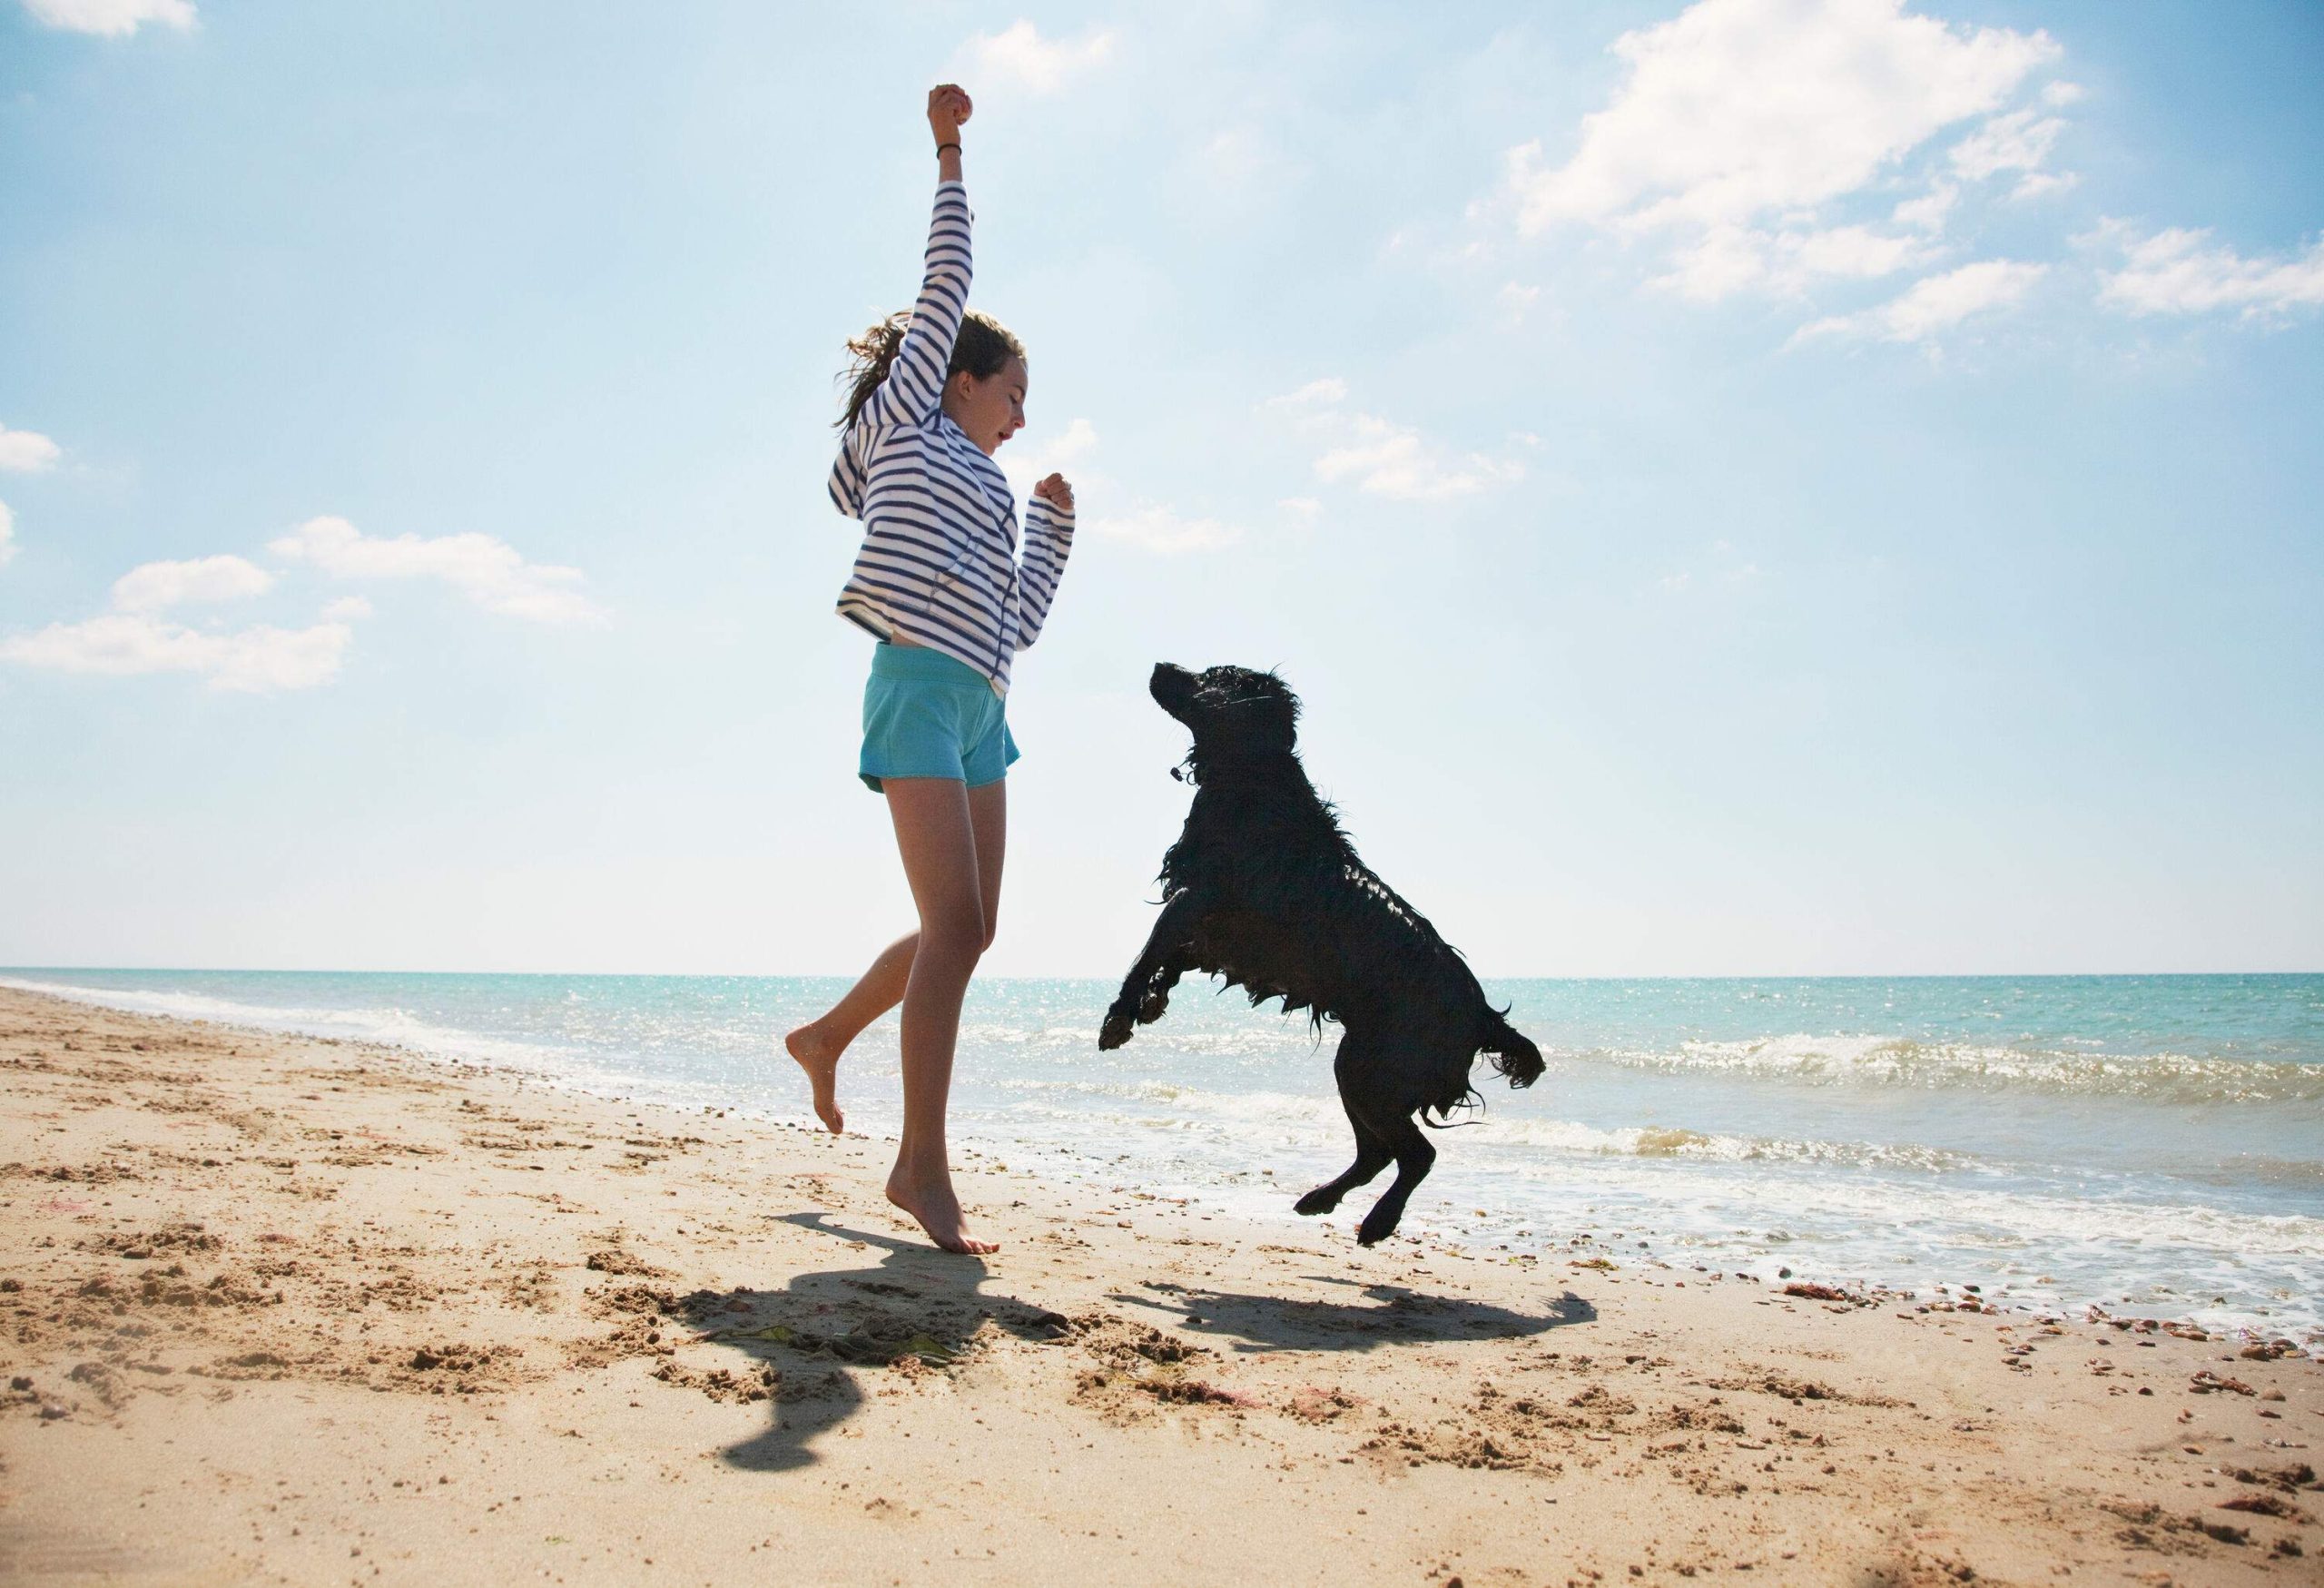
938,565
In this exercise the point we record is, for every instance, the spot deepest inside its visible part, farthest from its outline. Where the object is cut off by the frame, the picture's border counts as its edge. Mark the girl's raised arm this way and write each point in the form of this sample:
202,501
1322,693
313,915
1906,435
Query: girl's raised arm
915,384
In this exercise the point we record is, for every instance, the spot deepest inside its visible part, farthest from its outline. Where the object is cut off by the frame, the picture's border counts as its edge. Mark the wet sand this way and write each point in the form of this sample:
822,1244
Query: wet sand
286,1310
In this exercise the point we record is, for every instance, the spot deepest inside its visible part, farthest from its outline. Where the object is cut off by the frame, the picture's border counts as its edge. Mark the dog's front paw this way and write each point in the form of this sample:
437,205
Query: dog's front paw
1322,1200
1157,1001
1378,1226
1116,1030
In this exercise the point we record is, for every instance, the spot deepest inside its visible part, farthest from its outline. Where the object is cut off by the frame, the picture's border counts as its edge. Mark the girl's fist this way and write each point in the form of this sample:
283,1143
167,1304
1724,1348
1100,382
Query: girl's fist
1057,492
948,107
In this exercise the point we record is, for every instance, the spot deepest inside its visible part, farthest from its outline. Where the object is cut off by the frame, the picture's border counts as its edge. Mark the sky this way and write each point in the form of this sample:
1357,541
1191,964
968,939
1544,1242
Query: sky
1761,487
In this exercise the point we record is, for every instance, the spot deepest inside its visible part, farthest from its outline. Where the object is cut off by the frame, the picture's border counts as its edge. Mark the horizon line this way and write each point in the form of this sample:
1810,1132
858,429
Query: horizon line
1064,976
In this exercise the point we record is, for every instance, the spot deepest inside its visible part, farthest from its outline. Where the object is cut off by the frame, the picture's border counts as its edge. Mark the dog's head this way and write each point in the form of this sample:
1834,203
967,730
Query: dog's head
1234,713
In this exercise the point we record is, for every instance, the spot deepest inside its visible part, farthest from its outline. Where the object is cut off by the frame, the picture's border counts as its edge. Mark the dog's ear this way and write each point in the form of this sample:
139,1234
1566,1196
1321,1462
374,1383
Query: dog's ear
1281,715
1291,708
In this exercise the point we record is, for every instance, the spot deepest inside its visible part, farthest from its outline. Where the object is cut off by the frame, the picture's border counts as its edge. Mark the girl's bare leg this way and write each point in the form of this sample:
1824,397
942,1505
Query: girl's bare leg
818,1044
937,837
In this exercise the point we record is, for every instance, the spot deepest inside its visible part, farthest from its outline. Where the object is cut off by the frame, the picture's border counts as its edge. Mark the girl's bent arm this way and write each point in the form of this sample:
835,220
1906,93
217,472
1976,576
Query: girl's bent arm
1048,541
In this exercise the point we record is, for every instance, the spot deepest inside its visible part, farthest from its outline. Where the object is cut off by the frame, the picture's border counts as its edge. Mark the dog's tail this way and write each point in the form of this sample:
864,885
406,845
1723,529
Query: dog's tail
1508,1051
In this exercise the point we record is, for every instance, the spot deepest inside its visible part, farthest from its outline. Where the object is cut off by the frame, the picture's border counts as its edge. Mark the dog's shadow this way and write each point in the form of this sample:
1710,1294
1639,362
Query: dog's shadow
917,1305
1389,1315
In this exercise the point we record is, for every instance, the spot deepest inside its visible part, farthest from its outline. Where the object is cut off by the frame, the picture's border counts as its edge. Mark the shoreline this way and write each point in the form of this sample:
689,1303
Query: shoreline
2252,1307
289,1307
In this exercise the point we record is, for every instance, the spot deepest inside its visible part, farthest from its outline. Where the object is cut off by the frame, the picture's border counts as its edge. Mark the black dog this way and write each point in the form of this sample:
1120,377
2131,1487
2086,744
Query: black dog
1263,889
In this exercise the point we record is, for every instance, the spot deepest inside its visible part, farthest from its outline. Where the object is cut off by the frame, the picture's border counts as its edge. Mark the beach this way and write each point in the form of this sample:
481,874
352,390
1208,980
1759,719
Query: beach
2152,1146
289,1309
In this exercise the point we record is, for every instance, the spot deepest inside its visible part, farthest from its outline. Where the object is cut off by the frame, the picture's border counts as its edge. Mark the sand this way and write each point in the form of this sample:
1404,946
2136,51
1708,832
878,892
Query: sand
286,1310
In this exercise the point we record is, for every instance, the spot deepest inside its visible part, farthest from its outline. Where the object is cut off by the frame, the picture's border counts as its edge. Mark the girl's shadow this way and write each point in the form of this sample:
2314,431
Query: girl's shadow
917,1307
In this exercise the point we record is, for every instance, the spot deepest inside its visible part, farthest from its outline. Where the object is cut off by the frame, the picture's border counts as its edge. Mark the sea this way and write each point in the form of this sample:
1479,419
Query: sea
2151,1146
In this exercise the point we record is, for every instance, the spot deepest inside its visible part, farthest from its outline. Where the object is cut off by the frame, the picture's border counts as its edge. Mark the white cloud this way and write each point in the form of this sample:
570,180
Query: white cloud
1732,259
159,584
1747,141
113,18
8,535
1928,212
2020,141
1027,462
1737,109
2174,272
1018,56
486,570
1302,511
1383,457
257,661
2063,94
1150,525
26,452
1517,300
137,638
1935,305
1160,528
1315,395
1390,460
133,638
2035,184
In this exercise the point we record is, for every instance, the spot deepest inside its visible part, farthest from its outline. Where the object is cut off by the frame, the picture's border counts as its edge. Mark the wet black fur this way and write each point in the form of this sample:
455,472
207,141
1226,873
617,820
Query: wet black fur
1263,889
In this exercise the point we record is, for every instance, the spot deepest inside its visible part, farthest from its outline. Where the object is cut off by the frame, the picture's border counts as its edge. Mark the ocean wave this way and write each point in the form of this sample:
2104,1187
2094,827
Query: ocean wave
1075,1043
1653,1141
1171,1105
2253,1168
1168,1105
393,1028
1885,1061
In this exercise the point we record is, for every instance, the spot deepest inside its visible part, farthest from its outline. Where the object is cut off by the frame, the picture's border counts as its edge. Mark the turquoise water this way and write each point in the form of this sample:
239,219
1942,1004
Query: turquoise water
2150,1144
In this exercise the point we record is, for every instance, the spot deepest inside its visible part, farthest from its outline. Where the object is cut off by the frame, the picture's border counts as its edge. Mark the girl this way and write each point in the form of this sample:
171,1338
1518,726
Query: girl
939,583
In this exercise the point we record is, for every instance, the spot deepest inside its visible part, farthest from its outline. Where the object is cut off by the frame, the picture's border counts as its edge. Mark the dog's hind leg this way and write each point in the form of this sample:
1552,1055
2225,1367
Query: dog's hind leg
1372,1150
1372,1156
1414,1157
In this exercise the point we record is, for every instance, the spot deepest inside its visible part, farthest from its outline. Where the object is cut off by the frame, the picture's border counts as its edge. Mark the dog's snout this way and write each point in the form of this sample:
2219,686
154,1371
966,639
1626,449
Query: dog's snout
1171,686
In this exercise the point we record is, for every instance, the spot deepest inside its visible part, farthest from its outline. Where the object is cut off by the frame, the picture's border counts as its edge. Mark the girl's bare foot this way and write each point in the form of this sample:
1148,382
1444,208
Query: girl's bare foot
928,1198
819,1057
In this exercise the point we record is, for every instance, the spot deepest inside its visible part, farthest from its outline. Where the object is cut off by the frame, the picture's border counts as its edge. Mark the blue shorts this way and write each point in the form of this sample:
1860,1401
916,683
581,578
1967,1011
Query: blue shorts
928,716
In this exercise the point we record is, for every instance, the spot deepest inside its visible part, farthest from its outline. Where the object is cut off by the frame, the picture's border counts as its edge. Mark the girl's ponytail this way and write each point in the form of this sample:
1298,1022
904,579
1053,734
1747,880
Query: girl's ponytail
868,357
982,348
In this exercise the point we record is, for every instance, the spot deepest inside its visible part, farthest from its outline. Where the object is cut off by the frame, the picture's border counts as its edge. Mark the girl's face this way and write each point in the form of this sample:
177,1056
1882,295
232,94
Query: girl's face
989,410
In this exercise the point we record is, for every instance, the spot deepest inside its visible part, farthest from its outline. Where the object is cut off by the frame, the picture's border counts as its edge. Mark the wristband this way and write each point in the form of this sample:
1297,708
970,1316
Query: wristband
941,147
